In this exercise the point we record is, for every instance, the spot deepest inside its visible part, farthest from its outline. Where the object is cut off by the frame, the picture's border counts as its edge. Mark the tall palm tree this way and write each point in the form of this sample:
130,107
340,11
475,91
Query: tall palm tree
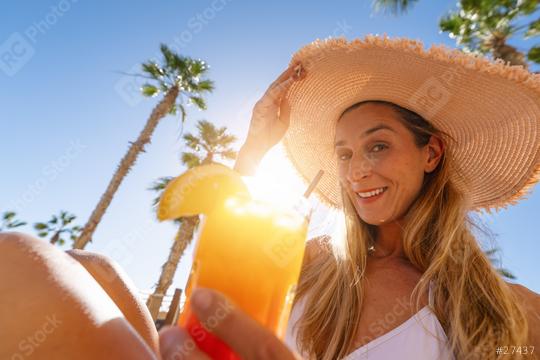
485,27
9,221
59,226
210,144
181,81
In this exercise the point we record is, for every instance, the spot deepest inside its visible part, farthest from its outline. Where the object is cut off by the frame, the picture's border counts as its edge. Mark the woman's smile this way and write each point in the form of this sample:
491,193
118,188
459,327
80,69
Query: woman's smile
374,196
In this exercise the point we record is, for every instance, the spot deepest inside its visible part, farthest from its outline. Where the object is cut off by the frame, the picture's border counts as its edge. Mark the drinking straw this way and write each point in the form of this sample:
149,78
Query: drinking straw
313,183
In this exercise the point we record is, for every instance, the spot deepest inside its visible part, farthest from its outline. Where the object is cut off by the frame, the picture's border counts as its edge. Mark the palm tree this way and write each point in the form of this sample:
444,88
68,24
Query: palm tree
180,79
394,7
9,221
210,144
58,226
492,256
485,27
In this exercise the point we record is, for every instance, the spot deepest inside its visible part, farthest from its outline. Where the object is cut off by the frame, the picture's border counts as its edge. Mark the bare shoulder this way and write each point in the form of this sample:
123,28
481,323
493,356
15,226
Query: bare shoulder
530,301
529,298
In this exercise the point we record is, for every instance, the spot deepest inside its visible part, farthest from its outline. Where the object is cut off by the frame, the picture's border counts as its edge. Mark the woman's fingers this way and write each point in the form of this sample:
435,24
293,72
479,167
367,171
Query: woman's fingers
270,117
176,344
244,335
278,88
285,112
287,73
274,94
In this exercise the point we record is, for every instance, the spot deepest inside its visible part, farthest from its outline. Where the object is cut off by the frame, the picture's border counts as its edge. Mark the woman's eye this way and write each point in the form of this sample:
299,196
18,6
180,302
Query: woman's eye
344,157
379,146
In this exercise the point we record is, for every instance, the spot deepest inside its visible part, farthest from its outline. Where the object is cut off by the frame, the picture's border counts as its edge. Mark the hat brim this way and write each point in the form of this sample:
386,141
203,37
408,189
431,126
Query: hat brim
491,109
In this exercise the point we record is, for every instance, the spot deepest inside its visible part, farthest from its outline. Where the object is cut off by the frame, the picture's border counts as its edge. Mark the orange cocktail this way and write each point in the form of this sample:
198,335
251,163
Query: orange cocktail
252,252
249,250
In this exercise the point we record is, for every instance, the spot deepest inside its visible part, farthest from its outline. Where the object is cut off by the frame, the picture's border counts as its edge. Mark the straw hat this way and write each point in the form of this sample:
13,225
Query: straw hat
490,108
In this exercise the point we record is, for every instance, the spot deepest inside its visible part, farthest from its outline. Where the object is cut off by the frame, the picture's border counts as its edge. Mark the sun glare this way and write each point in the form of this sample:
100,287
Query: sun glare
275,180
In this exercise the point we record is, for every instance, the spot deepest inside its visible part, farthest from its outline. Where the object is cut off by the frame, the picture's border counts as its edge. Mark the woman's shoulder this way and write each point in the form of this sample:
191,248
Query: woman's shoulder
523,290
529,298
530,301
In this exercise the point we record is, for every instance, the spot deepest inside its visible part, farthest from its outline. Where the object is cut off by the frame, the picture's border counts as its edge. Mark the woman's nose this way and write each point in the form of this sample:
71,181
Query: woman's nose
359,167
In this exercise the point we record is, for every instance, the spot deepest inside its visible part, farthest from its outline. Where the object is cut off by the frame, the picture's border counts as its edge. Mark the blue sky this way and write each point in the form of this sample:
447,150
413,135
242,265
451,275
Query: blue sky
68,112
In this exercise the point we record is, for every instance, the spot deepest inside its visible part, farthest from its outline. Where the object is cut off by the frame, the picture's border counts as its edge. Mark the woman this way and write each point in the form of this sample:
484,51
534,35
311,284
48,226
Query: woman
408,279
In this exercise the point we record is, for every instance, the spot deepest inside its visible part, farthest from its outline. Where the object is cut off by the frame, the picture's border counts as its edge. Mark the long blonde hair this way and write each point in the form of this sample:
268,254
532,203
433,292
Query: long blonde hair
475,307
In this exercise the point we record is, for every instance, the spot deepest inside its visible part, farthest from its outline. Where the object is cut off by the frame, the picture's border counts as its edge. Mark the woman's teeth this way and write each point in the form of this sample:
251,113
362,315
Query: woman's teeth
371,193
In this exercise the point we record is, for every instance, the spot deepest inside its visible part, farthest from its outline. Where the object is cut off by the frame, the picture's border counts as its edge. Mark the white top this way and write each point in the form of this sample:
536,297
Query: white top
420,337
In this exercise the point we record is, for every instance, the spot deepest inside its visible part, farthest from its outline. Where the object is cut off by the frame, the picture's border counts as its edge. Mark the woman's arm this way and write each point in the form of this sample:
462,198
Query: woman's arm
269,121
248,159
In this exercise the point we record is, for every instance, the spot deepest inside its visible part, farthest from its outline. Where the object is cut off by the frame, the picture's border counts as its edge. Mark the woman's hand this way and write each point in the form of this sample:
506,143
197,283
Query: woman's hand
243,334
269,121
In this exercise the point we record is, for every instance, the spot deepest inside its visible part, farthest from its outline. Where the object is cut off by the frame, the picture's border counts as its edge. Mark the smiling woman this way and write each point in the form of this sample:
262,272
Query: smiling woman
407,158
382,146
395,145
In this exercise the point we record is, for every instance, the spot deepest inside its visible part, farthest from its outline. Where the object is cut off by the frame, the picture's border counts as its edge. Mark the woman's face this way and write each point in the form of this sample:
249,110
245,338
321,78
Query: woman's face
375,150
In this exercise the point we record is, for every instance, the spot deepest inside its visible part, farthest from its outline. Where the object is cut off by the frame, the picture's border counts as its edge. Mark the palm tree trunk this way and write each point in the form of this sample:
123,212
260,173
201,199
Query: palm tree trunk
501,50
181,242
161,110
55,238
